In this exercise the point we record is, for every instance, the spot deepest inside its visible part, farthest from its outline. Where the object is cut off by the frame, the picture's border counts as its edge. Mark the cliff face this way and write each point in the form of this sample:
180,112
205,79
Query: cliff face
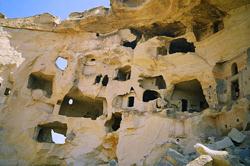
125,84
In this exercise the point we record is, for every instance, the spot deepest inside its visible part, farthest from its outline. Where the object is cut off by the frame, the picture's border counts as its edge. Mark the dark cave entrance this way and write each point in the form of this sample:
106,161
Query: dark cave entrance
131,101
75,104
41,81
123,73
234,69
105,80
45,132
184,105
190,95
235,90
149,95
114,123
181,45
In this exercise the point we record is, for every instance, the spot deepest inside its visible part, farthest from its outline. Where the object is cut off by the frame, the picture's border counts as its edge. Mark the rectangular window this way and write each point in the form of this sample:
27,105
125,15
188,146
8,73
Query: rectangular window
131,101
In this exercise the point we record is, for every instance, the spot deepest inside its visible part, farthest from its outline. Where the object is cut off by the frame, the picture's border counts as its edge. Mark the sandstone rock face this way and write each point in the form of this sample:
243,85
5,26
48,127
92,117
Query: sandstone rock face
125,85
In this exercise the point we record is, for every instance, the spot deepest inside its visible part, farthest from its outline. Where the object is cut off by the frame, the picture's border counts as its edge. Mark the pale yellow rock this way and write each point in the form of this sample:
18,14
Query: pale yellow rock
37,94
203,160
220,158
126,95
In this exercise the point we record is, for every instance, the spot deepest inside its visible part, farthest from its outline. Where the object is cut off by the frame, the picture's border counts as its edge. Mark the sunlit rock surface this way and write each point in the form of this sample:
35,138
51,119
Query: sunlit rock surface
127,85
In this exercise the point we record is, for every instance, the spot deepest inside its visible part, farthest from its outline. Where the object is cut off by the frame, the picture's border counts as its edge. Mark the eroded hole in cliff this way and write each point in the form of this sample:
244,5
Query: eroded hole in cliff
181,45
123,73
41,81
189,95
133,44
157,82
162,50
98,79
234,69
131,101
114,123
174,29
61,63
7,91
235,89
203,30
149,95
54,132
129,44
105,80
218,26
75,104
59,102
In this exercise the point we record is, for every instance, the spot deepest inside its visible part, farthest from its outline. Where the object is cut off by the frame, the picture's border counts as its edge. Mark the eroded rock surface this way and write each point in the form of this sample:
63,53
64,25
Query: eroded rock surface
139,83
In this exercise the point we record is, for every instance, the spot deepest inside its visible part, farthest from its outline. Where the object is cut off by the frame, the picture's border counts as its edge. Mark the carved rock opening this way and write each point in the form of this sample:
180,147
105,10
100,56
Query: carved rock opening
190,95
75,104
114,123
41,81
51,132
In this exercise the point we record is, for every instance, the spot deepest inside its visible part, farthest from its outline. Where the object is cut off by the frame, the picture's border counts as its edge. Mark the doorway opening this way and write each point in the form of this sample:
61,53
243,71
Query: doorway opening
190,95
114,123
235,90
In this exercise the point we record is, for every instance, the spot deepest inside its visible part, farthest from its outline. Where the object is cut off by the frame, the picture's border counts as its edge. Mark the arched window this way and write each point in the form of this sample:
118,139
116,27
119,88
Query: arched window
234,69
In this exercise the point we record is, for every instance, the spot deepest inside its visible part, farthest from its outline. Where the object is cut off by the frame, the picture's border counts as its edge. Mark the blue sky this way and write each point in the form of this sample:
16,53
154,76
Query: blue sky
60,8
